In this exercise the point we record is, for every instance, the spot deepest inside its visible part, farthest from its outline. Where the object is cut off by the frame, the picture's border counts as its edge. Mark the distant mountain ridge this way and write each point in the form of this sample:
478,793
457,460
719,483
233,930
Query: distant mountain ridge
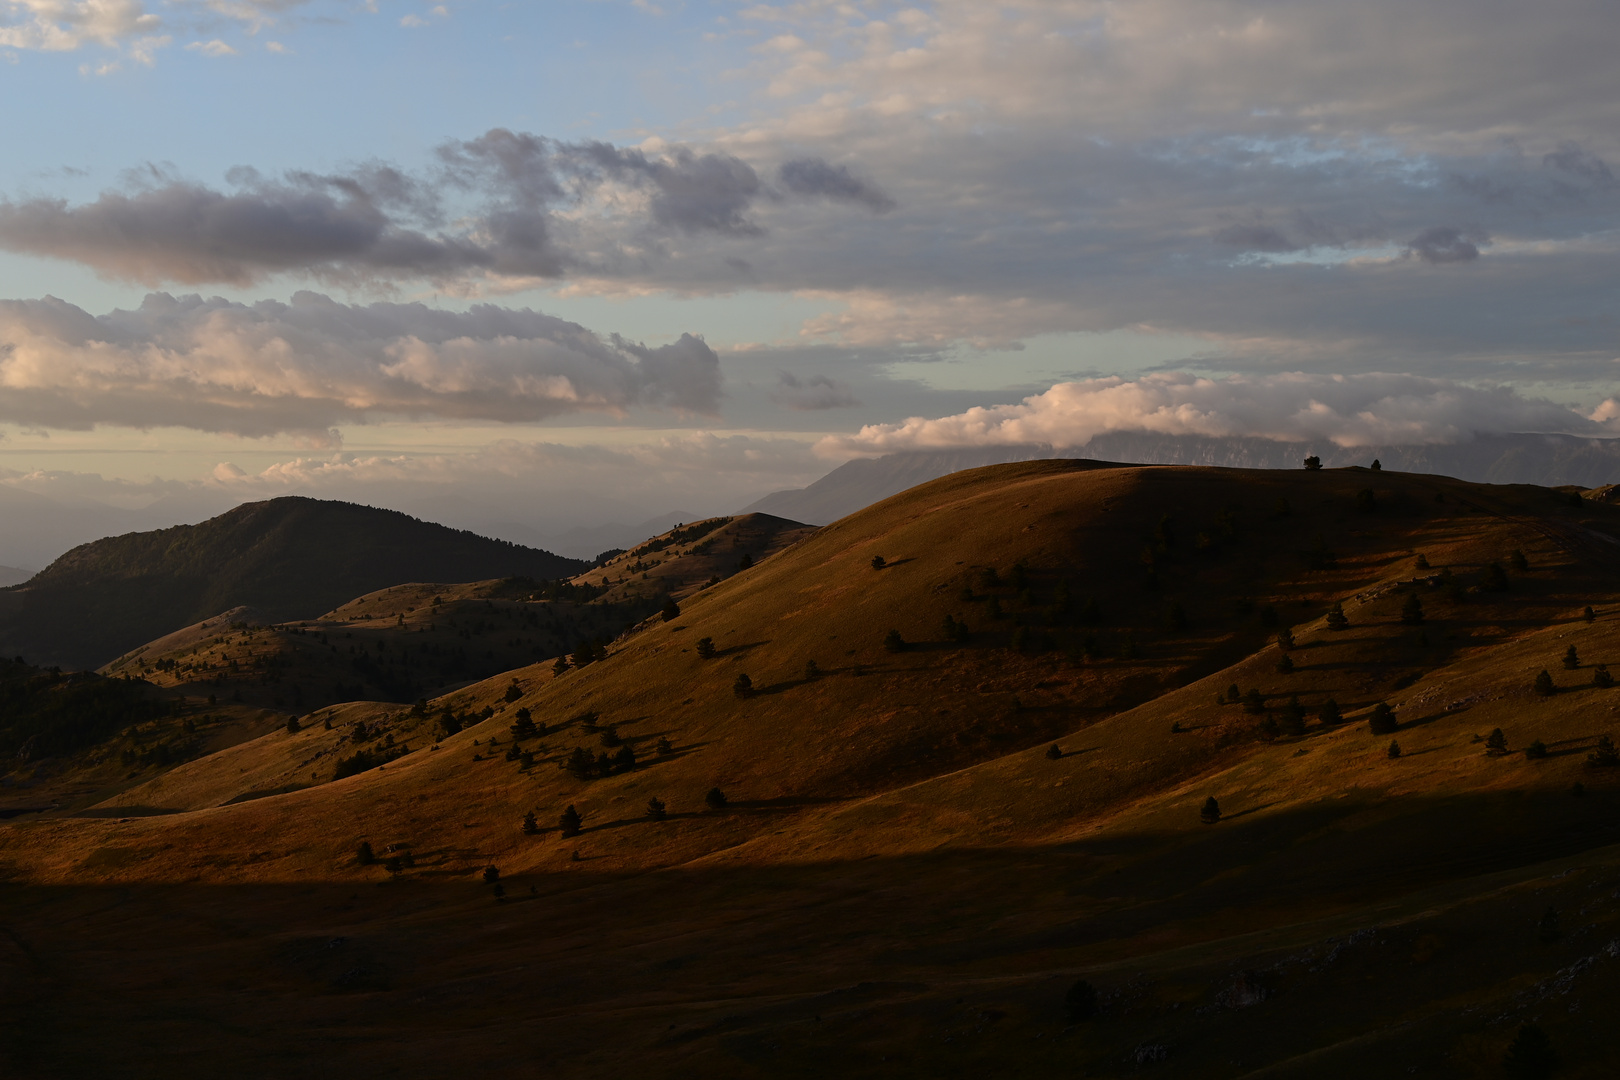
290,558
1547,460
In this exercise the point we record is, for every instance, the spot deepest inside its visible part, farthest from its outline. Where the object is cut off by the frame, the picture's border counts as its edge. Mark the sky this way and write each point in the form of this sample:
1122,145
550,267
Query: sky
562,263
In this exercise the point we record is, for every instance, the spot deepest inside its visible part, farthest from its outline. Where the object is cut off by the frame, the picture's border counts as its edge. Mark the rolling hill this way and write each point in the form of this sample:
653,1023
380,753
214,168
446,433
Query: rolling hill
288,558
1027,680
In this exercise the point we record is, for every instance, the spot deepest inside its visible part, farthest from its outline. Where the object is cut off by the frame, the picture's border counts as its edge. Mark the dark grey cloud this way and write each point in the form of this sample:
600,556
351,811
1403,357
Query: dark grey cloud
304,366
1442,244
493,205
1574,161
812,393
814,178
1256,236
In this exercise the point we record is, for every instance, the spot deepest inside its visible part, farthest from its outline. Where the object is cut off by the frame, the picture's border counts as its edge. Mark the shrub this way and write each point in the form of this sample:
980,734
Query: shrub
1382,721
1336,619
1210,813
1572,659
1536,750
1329,713
1496,743
1285,665
656,810
743,687
715,799
395,865
745,563
1285,639
1394,749
570,821
705,648
293,727
1588,614
1422,562
1313,463
1233,694
1081,1001
1496,579
530,826
878,562
1544,684
364,855
670,611
893,642
1054,752
1412,610
1601,676
1517,560
1603,755
664,747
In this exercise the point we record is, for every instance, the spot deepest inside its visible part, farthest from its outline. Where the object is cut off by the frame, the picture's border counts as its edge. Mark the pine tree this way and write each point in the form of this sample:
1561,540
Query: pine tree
1233,694
1054,752
743,687
1336,619
1377,466
1293,717
812,671
1412,610
1588,614
1601,677
670,611
1254,702
1517,560
1572,659
893,642
705,648
664,747
365,857
625,760
878,562
491,875
1211,811
1496,579
1496,743
1329,713
1394,749
1285,639
1422,562
1544,684
530,826
1285,665
715,799
656,810
1382,721
1603,755
1081,1001
1313,463
1530,1056
580,764
1536,750
571,822
559,667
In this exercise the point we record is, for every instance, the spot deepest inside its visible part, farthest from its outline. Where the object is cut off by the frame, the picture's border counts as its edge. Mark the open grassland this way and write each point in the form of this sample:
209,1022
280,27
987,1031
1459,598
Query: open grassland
905,877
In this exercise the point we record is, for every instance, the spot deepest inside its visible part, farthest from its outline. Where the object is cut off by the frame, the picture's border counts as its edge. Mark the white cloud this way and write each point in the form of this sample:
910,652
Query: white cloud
303,367
413,21
1348,410
215,47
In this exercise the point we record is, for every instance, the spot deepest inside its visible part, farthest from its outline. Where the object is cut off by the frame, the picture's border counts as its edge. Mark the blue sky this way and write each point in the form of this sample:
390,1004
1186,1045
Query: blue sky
605,258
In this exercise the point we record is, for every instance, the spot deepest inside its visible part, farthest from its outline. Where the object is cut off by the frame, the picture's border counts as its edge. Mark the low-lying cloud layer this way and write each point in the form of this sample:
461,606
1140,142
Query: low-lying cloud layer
302,367
1347,410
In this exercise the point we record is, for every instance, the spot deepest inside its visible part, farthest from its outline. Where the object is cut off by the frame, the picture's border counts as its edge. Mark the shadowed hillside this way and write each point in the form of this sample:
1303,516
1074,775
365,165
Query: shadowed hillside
289,558
968,767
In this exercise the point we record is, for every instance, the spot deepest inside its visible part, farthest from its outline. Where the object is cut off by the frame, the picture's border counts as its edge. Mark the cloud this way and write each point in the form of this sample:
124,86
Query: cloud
1444,244
66,25
215,47
815,178
1347,410
303,367
813,393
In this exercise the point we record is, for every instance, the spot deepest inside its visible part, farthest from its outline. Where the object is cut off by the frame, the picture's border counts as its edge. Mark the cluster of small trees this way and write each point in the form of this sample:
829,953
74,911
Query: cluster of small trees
583,765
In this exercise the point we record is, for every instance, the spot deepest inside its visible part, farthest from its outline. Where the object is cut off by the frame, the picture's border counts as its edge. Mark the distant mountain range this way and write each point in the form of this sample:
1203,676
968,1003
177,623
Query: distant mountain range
289,558
1547,460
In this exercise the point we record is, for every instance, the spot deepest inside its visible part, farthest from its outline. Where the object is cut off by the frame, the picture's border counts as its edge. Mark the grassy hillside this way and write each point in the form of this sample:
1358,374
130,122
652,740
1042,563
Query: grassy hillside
905,878
289,558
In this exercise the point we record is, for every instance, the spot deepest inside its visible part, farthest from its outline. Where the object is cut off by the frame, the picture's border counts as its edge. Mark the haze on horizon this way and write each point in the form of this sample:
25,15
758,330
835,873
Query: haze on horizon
595,260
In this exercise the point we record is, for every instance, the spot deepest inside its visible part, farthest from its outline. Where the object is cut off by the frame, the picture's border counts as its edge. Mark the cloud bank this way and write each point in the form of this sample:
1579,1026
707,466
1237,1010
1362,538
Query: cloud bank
1347,410
302,367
